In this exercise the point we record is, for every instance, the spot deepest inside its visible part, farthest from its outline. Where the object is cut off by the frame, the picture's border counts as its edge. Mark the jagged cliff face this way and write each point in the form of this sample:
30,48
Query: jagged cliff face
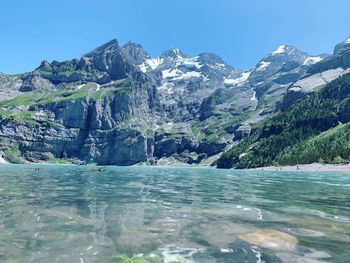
94,110
117,105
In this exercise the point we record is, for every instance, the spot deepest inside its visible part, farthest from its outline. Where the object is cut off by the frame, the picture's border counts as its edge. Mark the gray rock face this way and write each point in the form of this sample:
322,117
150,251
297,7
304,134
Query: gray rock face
342,45
184,82
118,146
319,74
283,58
134,53
9,86
339,59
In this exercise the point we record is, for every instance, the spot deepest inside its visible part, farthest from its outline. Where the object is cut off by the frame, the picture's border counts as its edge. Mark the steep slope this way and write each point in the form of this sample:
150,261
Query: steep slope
268,82
94,110
183,81
189,89
319,74
309,131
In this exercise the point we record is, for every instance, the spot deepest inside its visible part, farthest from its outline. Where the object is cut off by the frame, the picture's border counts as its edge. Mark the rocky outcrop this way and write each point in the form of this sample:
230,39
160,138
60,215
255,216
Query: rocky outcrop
339,59
116,146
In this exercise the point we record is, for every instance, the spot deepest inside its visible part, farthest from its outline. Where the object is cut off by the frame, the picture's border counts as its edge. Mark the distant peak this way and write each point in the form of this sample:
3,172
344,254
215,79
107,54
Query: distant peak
135,53
210,58
174,53
342,46
177,51
112,45
283,49
132,44
279,50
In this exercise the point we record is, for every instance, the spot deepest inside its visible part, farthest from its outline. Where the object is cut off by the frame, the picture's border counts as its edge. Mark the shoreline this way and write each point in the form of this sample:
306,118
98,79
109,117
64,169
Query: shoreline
314,167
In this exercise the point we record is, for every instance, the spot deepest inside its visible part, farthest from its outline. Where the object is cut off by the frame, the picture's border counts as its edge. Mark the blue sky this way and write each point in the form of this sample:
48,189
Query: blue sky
240,31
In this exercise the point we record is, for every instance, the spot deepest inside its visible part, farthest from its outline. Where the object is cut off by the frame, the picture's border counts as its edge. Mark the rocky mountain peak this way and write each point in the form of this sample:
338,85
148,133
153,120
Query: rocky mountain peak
284,58
341,46
173,53
284,49
110,59
109,47
135,53
210,58
287,53
45,65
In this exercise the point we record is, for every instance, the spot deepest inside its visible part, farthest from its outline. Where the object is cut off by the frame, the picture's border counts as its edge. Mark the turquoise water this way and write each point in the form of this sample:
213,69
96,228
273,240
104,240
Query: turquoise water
144,214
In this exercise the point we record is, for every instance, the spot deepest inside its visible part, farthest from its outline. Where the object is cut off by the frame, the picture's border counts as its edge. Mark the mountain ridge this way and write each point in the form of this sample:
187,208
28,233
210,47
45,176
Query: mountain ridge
118,105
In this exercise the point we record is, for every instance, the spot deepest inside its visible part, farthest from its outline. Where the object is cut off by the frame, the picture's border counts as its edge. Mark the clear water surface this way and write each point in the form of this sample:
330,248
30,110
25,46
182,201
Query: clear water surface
147,214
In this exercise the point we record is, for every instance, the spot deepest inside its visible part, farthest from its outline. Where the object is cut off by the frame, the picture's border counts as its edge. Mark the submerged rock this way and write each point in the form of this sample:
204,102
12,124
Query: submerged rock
220,234
271,239
152,258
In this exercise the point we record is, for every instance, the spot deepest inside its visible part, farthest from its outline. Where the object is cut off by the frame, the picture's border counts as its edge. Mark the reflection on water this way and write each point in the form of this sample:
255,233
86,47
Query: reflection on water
123,214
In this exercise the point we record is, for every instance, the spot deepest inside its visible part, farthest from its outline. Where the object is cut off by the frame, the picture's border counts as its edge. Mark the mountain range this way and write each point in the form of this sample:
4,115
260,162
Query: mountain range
117,105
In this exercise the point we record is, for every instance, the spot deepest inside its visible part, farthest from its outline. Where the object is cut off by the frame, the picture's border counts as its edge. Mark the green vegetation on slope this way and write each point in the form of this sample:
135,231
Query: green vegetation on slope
20,101
332,146
23,108
11,153
19,116
214,128
296,136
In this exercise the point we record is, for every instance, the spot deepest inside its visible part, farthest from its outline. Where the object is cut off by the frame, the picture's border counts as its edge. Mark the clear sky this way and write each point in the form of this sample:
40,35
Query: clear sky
240,31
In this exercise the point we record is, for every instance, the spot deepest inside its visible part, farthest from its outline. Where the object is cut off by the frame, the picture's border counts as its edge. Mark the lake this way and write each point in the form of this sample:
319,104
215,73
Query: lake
161,214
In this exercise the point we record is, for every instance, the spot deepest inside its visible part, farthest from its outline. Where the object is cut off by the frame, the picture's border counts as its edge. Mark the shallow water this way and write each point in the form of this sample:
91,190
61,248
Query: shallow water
145,214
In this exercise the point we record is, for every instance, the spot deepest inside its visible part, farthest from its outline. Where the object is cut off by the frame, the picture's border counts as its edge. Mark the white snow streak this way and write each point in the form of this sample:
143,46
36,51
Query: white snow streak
154,63
234,81
179,75
312,60
279,50
192,62
80,86
188,75
151,64
254,97
170,73
263,65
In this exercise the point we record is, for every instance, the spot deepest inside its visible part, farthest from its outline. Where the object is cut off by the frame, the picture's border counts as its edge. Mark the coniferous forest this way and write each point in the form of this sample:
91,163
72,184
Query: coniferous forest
315,129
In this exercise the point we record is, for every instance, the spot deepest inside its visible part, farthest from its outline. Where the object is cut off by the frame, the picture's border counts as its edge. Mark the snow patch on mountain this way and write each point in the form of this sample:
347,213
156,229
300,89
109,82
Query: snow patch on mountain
191,62
188,75
236,81
263,65
279,50
79,87
177,52
151,64
175,74
254,98
167,87
312,60
220,65
179,61
171,73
